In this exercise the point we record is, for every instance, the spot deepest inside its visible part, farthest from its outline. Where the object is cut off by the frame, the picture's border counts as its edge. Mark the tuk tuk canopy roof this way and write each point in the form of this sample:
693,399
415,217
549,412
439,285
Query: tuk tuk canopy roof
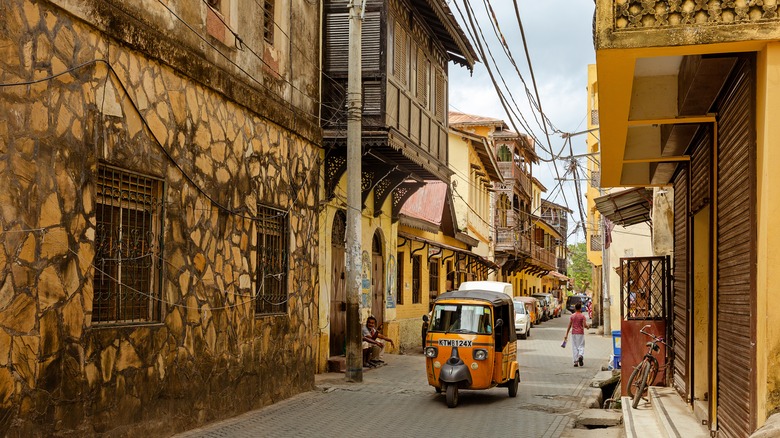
495,298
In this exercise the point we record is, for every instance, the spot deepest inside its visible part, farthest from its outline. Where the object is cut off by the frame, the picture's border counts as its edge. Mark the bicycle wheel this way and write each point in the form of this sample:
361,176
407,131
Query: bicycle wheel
653,371
642,384
632,380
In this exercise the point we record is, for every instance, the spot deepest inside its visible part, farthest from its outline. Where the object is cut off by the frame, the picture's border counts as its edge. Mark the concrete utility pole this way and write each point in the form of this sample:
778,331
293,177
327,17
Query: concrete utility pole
605,267
354,372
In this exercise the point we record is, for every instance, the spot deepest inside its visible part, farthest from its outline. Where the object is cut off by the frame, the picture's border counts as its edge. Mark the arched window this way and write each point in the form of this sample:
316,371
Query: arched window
504,154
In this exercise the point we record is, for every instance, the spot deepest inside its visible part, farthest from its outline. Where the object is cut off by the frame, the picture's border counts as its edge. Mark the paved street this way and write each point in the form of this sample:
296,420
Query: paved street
395,400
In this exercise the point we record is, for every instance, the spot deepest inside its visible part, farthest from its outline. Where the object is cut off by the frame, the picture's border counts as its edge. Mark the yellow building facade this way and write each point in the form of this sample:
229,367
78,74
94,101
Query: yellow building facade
687,99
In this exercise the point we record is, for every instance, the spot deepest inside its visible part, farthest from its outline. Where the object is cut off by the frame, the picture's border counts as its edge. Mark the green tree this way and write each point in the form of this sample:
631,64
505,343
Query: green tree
579,268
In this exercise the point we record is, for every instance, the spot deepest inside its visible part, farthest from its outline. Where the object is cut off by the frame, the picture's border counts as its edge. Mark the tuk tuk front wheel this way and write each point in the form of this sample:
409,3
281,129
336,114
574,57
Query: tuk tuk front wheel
452,396
513,384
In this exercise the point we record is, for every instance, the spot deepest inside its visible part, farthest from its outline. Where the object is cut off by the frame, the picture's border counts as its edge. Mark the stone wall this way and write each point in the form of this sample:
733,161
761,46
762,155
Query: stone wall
209,356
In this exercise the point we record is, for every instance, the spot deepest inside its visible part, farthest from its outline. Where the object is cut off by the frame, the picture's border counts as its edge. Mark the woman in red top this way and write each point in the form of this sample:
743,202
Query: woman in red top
577,324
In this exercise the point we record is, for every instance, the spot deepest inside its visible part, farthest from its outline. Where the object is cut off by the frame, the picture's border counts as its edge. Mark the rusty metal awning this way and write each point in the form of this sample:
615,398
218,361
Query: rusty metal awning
628,207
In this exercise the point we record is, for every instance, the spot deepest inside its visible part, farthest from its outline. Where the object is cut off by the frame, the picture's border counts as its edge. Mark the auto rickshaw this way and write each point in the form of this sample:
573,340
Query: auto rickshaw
471,343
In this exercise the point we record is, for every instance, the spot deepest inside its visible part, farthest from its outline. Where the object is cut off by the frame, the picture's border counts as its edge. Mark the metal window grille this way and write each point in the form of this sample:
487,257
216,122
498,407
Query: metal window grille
595,242
272,256
127,247
416,268
400,279
268,21
645,287
595,179
433,277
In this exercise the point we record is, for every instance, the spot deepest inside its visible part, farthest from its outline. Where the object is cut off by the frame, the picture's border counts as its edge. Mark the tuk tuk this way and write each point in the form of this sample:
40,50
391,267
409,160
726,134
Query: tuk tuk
471,343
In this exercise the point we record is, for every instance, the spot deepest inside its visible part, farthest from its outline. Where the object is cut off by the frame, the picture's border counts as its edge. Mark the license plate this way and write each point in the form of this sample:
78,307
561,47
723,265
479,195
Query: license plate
454,343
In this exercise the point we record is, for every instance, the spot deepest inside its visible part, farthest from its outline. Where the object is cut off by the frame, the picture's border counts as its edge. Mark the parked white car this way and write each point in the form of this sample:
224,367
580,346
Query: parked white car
522,320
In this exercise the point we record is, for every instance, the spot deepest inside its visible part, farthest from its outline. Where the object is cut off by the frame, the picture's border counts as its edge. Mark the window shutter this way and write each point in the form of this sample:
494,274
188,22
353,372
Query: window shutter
400,54
441,97
422,78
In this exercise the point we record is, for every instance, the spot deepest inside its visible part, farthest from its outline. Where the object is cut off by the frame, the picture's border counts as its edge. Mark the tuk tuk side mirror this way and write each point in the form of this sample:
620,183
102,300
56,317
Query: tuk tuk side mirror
425,318
499,322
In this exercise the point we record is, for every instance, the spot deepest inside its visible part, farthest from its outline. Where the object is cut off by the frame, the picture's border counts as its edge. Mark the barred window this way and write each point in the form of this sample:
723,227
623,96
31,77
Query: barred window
272,254
128,249
433,278
416,275
400,279
268,21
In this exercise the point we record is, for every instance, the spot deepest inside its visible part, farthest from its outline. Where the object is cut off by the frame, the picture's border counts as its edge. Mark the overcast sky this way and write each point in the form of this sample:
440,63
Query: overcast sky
560,43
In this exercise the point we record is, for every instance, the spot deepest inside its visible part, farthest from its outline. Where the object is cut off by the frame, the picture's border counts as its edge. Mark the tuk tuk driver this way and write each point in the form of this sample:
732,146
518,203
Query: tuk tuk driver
372,347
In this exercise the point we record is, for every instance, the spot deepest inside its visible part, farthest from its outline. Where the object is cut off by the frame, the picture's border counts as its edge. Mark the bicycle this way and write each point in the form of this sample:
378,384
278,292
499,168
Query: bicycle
644,374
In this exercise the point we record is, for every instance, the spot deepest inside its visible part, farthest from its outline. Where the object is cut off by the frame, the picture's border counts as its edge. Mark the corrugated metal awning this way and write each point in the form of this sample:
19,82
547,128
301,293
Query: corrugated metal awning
628,207
479,258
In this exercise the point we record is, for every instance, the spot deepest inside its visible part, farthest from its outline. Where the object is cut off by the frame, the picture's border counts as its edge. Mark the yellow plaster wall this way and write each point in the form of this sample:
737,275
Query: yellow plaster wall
768,216
369,225
405,327
594,218
458,160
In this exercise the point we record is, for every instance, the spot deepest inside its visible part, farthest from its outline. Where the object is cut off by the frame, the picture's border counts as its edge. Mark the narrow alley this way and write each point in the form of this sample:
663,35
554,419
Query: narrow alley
395,400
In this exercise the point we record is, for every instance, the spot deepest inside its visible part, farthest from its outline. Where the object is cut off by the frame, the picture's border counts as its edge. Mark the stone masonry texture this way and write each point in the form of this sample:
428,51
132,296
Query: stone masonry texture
208,356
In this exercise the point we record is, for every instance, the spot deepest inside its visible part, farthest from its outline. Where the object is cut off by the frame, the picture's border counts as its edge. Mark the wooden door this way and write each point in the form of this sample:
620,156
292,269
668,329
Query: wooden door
377,280
338,290
378,287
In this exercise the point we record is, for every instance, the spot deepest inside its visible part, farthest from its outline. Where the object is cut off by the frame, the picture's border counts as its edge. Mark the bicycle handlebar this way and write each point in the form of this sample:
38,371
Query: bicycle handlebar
655,338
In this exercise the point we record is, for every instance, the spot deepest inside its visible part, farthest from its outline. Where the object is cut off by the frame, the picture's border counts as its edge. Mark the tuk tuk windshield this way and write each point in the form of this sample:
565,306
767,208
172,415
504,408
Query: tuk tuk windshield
462,318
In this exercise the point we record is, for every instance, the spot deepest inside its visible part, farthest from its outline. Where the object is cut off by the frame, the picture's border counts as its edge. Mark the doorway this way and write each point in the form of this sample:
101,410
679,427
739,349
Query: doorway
378,279
338,290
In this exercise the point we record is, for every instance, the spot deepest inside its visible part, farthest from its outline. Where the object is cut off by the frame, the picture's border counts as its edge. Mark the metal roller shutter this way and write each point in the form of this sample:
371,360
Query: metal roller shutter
680,284
736,236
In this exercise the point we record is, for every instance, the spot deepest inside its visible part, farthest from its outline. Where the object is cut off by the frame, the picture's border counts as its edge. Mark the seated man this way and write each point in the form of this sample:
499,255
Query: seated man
372,347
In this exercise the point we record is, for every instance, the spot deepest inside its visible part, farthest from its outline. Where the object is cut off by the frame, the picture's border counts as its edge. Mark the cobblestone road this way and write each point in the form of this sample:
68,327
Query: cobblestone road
396,401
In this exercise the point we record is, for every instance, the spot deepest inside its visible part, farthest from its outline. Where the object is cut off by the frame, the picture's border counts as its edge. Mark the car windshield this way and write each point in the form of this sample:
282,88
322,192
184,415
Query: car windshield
519,307
462,318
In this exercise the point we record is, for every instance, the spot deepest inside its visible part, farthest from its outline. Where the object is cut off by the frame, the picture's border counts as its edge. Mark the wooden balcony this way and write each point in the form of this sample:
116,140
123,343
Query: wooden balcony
511,240
514,173
544,257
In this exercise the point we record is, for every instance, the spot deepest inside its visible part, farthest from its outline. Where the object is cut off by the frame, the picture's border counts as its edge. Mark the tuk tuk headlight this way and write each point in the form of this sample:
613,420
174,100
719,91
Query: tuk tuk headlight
480,354
431,352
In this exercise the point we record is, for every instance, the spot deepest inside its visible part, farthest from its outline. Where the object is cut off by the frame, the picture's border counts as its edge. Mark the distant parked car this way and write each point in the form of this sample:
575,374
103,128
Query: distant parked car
533,307
572,300
556,308
546,300
522,319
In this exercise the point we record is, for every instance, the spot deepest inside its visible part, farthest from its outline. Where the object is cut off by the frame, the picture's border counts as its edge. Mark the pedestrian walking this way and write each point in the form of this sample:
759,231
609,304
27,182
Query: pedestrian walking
577,325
